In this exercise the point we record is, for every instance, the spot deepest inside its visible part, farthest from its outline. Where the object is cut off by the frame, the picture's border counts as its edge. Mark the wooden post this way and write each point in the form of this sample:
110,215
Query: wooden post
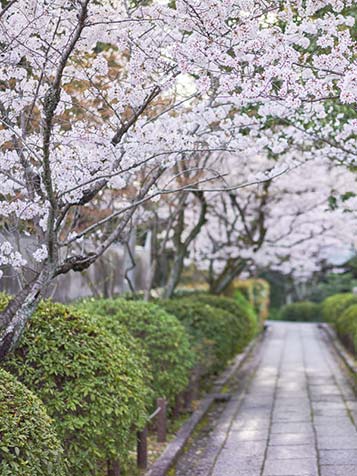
113,468
142,449
161,420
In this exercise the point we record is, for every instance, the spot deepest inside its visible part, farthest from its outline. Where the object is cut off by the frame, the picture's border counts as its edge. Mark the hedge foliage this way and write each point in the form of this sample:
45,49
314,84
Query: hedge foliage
346,327
28,443
333,306
340,310
161,335
303,311
92,366
256,292
249,310
244,324
91,383
210,331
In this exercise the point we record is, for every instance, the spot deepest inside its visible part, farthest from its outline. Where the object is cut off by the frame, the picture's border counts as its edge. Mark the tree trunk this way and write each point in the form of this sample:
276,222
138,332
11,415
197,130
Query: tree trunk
150,246
20,309
219,285
222,282
129,261
182,246
175,274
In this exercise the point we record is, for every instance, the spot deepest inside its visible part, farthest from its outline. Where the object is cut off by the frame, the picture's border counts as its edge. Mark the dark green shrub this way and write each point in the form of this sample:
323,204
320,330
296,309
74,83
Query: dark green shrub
249,309
334,306
303,311
243,324
28,443
274,314
91,383
256,292
162,336
346,327
188,292
210,331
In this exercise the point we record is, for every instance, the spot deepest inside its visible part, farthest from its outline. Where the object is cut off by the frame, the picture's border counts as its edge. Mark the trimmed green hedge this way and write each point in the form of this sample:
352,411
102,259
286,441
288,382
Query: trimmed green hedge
210,331
256,292
244,324
340,310
274,314
91,383
245,305
346,327
334,306
161,335
28,442
303,311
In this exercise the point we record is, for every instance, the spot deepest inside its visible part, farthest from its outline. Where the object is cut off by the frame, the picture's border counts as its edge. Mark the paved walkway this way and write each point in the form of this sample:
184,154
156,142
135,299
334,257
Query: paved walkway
296,417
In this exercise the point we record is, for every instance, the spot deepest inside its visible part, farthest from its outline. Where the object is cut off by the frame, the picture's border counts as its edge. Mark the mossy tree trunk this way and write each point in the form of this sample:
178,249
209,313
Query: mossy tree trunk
14,317
232,269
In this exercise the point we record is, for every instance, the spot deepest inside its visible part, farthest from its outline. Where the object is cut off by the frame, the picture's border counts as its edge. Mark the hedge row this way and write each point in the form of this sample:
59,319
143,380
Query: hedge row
92,384
97,368
219,327
208,329
256,292
340,310
303,311
163,337
334,306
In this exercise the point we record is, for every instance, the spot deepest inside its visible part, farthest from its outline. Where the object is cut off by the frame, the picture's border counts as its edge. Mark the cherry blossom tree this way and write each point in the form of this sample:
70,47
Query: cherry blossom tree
99,100
284,224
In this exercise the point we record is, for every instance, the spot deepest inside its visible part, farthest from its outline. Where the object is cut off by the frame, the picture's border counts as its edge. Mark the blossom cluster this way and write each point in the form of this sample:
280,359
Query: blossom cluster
96,97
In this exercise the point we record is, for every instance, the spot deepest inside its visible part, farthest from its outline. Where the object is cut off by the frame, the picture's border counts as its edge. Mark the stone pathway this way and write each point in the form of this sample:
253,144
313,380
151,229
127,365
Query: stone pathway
296,417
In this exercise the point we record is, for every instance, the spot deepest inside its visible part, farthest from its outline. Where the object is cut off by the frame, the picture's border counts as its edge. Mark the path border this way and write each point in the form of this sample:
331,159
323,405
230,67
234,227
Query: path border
173,450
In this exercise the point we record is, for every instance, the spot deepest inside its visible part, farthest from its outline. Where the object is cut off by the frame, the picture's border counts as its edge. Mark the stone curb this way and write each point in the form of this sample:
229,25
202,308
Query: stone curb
165,462
346,356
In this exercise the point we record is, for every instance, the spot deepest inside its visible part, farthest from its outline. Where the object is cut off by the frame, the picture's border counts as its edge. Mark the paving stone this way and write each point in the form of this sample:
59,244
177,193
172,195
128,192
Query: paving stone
259,407
292,401
343,419
245,448
336,430
253,424
329,406
234,471
290,467
335,470
228,464
338,457
289,439
326,398
291,452
337,443
325,389
229,459
291,417
296,427
250,435
315,381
